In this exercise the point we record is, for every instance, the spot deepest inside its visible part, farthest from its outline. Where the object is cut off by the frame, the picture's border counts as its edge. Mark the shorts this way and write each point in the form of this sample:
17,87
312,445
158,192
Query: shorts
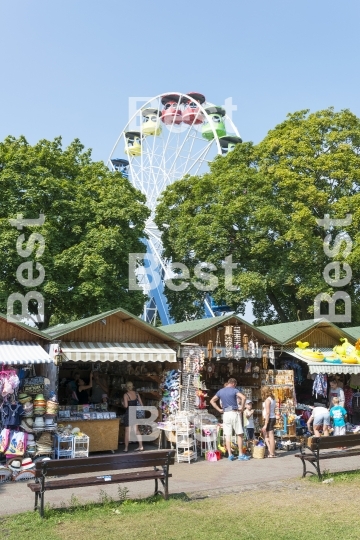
250,433
322,419
339,430
232,422
270,425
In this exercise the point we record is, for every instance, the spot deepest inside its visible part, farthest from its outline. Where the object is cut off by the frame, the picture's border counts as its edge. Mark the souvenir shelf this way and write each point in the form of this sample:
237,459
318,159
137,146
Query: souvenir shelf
185,439
63,446
193,362
81,446
206,432
281,383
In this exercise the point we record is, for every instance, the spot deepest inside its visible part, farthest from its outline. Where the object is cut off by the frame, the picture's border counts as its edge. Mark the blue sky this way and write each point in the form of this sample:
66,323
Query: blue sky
69,67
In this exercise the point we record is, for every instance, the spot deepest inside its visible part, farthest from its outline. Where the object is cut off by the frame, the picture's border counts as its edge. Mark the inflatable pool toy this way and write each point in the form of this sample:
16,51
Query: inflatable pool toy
304,352
347,353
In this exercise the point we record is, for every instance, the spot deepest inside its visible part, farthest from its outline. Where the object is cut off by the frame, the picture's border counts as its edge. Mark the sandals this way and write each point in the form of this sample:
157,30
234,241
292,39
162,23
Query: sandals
270,456
139,449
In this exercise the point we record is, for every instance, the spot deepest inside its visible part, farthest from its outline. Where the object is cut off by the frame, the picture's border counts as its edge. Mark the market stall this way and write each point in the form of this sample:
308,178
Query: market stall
106,353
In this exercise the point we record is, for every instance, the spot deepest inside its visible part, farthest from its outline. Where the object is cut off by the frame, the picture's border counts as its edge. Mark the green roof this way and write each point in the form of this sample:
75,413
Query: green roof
353,331
190,329
28,328
285,332
62,329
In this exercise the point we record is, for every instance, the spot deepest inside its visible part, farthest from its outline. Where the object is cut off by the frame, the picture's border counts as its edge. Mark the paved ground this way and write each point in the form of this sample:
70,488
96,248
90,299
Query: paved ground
197,479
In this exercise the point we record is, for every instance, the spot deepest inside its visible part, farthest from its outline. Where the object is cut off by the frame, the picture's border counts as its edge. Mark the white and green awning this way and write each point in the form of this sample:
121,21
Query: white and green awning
84,351
20,353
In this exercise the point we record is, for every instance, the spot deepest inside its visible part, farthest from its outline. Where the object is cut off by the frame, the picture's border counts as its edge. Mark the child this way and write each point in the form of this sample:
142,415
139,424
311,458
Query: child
249,420
338,414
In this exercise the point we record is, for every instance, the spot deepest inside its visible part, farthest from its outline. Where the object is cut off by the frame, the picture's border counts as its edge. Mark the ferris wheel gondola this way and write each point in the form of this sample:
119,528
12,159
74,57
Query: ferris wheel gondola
171,136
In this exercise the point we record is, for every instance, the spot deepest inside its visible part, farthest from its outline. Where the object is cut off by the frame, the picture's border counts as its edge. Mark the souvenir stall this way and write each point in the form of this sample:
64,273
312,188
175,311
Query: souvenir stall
102,355
215,350
28,405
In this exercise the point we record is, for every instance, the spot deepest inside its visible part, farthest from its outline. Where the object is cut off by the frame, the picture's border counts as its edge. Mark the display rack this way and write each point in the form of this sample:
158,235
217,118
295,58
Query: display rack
206,432
191,366
63,446
81,446
185,439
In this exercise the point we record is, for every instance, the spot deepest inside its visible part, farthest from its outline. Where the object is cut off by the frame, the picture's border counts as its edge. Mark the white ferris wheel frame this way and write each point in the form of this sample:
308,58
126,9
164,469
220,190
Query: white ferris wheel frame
153,190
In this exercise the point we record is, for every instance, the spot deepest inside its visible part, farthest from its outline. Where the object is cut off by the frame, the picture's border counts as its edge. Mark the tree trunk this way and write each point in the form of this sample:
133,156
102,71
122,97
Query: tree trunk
279,310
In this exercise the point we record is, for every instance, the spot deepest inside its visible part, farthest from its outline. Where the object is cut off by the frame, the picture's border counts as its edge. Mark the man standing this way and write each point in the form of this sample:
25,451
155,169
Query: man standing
233,404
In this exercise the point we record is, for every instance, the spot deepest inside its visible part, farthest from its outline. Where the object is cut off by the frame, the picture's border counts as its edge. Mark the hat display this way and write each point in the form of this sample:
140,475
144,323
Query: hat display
52,407
27,425
49,422
28,409
39,422
39,397
44,444
27,463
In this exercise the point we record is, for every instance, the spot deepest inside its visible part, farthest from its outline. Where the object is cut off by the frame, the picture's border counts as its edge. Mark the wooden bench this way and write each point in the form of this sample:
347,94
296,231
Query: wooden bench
311,454
153,465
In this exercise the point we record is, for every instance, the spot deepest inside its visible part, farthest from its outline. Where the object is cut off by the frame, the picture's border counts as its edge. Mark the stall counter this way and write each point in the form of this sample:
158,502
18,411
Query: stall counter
103,434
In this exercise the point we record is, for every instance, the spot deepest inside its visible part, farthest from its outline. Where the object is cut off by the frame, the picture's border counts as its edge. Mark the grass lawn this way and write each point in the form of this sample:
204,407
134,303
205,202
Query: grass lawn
300,510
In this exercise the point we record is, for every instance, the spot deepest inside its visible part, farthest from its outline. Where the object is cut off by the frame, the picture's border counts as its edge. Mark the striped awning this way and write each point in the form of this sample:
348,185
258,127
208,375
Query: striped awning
19,353
120,352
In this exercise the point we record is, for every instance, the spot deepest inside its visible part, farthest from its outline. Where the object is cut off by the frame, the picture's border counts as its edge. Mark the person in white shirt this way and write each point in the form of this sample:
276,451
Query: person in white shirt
336,392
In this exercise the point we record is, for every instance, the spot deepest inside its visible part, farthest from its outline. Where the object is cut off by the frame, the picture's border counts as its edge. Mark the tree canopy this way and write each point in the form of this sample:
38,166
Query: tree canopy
93,219
261,204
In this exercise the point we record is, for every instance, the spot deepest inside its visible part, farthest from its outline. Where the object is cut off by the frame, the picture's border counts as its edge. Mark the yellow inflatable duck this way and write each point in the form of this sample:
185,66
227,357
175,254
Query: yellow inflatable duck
308,354
346,352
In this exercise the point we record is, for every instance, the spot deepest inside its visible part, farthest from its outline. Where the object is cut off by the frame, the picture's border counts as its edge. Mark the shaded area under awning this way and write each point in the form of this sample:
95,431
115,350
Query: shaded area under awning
20,353
82,351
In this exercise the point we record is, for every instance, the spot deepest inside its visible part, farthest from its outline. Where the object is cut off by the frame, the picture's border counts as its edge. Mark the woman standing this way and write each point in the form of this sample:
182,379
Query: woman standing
269,419
131,399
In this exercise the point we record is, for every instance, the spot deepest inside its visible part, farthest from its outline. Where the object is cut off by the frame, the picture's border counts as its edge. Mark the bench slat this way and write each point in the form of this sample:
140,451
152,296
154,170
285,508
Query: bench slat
335,441
89,465
94,481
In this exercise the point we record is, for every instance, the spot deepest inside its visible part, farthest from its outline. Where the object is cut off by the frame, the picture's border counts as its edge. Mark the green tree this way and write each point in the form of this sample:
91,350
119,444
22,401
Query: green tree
260,205
93,219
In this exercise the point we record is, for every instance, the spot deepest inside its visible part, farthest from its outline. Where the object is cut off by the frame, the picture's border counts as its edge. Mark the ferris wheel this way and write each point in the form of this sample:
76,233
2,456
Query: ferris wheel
172,135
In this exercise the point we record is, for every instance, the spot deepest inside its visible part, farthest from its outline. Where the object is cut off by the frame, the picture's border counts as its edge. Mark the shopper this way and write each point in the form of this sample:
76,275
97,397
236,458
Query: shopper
99,388
338,416
269,419
321,420
336,391
249,420
131,399
82,391
232,416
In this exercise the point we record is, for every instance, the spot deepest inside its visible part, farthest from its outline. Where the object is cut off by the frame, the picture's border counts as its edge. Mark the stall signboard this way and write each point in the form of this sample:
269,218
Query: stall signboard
33,386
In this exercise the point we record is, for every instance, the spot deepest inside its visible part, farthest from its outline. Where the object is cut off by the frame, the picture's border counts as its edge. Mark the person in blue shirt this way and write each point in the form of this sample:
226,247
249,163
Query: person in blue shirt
338,415
233,404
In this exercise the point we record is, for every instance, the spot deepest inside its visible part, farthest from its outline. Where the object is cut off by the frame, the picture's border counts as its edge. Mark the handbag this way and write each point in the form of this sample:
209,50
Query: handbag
212,455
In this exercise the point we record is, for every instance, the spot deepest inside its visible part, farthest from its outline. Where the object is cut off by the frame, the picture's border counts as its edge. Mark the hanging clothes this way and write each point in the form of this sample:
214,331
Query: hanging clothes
348,392
11,414
320,385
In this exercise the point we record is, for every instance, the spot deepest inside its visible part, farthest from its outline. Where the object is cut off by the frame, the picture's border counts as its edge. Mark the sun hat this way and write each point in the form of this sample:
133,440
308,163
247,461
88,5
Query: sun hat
39,397
24,398
15,465
39,422
27,463
27,425
248,401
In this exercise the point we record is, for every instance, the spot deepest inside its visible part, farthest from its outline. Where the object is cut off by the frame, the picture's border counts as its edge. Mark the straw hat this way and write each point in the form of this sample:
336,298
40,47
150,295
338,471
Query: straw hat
15,465
24,398
27,463
27,425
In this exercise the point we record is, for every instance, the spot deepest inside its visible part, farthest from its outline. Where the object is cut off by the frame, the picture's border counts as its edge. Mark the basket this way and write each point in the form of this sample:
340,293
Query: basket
258,452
